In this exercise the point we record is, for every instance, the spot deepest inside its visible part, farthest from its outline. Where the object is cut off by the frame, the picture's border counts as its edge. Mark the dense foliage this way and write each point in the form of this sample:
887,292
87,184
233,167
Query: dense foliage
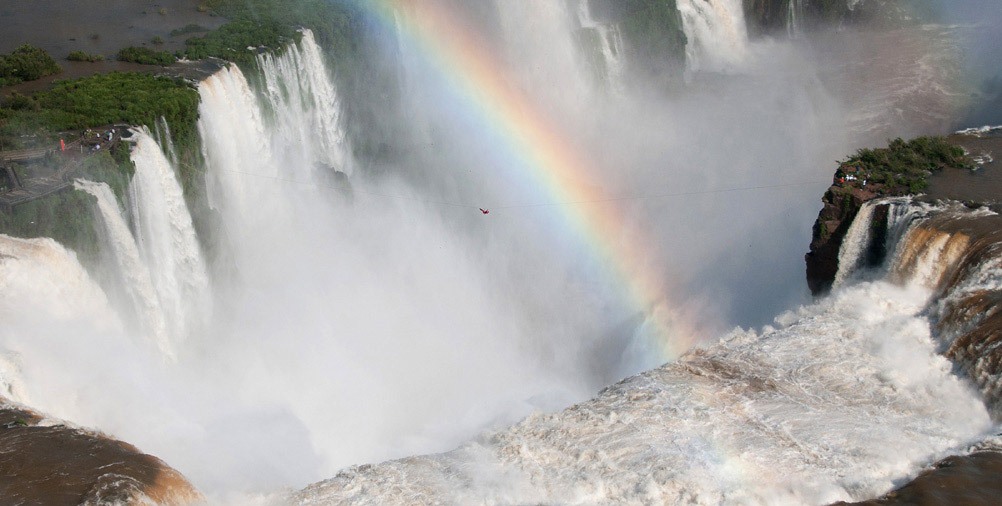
188,29
329,20
95,101
238,41
82,56
146,56
26,63
903,166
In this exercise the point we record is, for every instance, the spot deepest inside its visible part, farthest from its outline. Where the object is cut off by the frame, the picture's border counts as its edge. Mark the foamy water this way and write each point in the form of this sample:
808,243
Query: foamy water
779,416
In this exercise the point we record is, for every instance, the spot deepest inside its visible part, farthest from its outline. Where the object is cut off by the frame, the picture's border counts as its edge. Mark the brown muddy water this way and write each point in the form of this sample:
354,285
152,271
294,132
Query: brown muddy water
982,185
60,465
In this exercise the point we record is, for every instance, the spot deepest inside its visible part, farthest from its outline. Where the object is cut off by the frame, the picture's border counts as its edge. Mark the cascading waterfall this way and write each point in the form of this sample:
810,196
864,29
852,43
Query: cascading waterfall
167,239
388,302
135,273
298,86
795,12
610,45
716,33
854,245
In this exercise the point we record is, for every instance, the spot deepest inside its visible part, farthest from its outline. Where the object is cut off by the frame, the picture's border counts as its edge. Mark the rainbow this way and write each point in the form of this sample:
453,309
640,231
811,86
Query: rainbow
554,164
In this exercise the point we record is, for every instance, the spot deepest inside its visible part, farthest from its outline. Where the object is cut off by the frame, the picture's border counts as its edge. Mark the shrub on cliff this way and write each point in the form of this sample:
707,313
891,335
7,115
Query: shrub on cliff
26,63
903,166
232,40
255,20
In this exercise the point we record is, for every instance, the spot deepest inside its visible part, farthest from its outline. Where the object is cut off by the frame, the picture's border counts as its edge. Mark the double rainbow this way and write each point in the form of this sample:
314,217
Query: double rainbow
481,81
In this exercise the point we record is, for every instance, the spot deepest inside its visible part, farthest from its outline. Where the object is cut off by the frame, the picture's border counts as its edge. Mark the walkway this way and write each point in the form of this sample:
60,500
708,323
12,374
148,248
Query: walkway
38,187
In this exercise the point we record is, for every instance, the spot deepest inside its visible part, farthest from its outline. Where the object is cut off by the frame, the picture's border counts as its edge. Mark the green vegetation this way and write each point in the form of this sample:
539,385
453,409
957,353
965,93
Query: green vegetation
903,166
232,40
66,217
96,101
146,56
188,29
269,23
82,56
157,41
26,63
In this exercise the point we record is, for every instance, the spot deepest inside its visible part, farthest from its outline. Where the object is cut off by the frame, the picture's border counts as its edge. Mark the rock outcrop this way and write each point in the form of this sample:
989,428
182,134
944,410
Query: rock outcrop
842,201
58,464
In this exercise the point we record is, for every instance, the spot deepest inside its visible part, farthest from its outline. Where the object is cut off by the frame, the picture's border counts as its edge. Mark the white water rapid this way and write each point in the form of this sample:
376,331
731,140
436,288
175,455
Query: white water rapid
772,417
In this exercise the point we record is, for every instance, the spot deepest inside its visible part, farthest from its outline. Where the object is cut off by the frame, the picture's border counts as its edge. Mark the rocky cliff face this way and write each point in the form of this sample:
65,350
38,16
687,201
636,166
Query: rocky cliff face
842,201
766,16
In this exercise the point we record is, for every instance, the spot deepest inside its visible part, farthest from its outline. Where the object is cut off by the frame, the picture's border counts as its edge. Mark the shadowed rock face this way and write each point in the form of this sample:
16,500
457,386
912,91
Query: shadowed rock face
970,480
56,465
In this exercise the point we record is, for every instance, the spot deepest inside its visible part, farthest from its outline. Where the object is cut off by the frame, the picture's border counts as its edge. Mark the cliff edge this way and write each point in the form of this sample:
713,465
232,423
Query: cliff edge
902,168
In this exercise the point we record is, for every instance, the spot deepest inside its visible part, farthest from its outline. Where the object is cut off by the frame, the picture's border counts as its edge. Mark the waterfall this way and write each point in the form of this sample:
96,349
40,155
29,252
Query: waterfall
167,239
795,11
135,274
246,157
851,254
609,39
716,33
298,86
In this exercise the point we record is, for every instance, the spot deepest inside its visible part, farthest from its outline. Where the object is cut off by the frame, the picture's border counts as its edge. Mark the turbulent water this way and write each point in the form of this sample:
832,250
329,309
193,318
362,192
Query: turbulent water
355,312
775,417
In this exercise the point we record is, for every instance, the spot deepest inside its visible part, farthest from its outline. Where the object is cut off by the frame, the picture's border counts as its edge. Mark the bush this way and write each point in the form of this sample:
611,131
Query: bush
26,63
231,40
188,29
903,166
157,41
146,56
19,102
82,56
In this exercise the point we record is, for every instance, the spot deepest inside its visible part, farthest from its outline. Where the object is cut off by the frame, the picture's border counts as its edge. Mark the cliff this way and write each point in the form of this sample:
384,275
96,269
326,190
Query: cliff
902,168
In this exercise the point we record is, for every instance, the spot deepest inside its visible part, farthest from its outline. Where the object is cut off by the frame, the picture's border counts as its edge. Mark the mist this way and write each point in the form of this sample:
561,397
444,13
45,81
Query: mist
365,310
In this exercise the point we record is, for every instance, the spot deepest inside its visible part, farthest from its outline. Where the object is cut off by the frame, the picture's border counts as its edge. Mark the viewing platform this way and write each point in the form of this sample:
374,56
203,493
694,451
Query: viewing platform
69,156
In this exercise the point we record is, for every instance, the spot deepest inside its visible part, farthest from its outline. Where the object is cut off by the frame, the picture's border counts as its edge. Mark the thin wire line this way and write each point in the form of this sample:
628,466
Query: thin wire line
538,204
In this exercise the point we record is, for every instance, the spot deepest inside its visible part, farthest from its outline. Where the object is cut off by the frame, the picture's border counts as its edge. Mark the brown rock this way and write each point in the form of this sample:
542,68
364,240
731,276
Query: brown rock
56,465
